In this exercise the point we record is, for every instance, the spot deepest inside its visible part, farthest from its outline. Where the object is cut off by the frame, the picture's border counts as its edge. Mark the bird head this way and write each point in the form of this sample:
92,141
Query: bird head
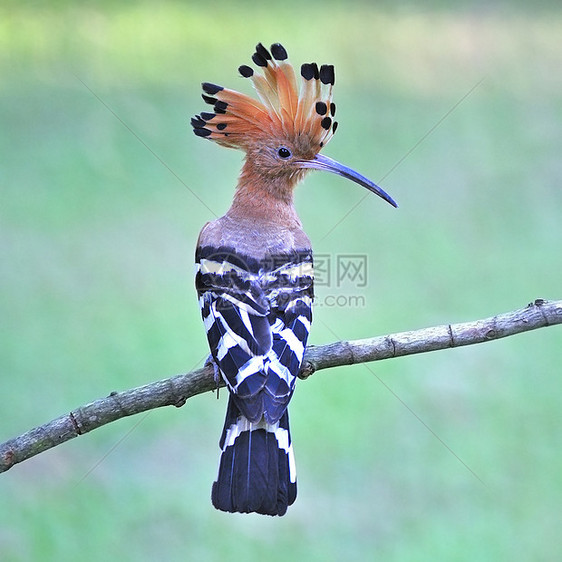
283,132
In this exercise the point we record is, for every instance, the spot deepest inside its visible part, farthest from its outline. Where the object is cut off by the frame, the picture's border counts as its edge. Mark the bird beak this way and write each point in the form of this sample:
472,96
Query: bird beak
321,162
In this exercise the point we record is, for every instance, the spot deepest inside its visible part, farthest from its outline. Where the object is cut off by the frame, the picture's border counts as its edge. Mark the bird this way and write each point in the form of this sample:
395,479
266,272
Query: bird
254,268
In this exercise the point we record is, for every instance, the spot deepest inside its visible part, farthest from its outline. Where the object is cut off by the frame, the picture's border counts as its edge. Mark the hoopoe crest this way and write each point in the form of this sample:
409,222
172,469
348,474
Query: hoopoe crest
254,269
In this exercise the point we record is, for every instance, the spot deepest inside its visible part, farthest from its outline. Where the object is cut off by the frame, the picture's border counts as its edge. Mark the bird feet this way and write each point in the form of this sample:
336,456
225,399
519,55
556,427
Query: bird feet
210,361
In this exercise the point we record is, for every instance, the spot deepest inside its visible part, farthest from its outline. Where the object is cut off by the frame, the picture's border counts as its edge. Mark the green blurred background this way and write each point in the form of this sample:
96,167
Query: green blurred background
98,232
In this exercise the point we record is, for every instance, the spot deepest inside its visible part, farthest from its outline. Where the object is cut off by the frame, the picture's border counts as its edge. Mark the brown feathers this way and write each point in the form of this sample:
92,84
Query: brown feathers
284,111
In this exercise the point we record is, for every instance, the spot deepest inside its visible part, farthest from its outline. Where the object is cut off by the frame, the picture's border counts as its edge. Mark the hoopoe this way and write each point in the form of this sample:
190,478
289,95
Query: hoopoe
254,270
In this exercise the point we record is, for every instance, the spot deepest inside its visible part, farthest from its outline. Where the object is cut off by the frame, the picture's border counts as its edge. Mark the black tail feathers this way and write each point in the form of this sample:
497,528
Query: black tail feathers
257,467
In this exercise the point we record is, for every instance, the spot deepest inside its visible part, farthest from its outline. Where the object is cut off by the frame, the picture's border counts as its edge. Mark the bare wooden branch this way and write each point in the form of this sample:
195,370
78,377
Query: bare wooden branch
176,390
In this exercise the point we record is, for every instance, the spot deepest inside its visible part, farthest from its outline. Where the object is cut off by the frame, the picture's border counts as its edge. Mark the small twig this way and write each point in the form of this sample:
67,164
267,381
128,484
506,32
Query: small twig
175,391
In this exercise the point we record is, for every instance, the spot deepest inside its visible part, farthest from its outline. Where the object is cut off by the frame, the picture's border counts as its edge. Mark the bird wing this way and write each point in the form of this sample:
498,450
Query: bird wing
291,295
234,312
257,326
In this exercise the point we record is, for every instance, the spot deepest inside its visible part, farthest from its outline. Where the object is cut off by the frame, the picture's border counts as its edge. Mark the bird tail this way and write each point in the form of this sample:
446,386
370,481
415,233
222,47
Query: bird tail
257,466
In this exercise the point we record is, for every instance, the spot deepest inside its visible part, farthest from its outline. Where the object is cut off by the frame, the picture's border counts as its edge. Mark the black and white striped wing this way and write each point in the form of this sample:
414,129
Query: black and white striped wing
290,329
257,326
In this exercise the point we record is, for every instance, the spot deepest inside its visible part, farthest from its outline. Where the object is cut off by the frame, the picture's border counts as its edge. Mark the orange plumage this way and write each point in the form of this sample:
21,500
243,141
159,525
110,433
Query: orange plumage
283,110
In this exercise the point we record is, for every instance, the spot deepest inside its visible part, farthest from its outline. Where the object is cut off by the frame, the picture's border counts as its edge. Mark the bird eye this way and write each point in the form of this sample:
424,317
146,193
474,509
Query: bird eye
284,153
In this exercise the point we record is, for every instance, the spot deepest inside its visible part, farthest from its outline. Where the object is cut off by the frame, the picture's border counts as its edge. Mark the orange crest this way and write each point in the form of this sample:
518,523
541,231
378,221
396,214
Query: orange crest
283,111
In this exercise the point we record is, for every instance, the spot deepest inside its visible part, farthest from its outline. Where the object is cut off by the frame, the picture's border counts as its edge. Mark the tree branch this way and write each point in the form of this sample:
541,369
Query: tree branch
176,390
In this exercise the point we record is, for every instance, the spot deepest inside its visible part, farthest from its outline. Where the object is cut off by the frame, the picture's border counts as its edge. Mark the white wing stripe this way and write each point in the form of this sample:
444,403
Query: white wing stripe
305,322
294,343
277,367
251,367
246,320
229,338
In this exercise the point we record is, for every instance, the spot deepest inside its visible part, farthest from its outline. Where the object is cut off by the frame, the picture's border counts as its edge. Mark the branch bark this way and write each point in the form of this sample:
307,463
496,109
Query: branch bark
175,391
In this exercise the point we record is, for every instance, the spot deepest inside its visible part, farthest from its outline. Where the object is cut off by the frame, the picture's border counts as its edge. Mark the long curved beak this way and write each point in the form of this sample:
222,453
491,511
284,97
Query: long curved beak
321,162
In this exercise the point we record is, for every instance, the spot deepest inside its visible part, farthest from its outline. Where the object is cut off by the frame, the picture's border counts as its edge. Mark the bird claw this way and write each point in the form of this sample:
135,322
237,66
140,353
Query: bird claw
210,361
